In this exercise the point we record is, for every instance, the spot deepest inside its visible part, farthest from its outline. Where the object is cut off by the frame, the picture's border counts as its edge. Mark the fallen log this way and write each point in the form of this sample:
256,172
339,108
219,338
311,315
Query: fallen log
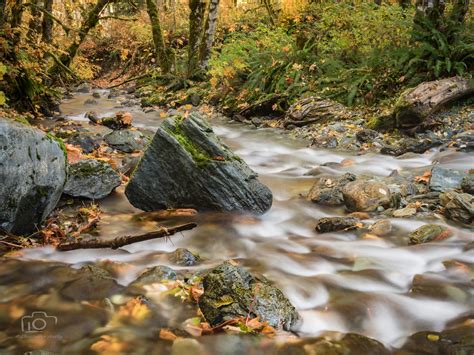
119,242
417,104
165,214
313,109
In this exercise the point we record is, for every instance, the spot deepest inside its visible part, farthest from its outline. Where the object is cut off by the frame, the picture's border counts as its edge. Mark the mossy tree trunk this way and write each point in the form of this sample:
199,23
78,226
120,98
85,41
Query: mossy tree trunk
89,23
16,20
35,20
163,56
196,23
3,10
459,11
47,24
209,33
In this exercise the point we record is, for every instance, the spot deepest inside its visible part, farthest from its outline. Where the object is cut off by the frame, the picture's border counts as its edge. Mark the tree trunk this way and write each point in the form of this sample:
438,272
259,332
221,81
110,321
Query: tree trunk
3,11
271,11
34,25
162,55
16,20
378,2
209,33
404,3
196,20
415,105
459,11
432,10
47,25
89,23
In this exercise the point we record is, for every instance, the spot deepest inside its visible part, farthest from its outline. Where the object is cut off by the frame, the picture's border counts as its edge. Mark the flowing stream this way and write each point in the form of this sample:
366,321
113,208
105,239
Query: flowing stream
338,282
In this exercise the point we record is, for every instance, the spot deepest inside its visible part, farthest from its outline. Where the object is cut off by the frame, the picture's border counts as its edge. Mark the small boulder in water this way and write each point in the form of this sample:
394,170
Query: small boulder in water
83,88
337,224
126,140
443,179
467,184
154,274
366,196
182,256
32,176
327,190
231,291
187,166
92,179
458,207
428,233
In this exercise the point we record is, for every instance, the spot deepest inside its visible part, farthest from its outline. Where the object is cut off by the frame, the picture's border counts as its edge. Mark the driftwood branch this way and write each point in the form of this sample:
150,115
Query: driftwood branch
110,17
126,240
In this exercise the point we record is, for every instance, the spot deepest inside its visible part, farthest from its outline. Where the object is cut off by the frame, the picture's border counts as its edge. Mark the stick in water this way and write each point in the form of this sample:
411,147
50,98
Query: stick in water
126,240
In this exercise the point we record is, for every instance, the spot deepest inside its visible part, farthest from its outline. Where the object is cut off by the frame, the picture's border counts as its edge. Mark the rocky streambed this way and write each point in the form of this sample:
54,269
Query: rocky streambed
374,252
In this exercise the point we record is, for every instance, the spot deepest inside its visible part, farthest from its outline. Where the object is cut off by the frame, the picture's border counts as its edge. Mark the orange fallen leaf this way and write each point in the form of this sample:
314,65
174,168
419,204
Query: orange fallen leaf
424,178
74,153
167,334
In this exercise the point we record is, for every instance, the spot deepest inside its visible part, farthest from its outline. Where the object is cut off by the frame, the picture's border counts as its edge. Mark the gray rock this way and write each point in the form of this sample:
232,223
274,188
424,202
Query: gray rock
443,179
458,207
92,179
463,142
87,141
327,190
366,196
467,184
187,166
83,88
182,256
366,135
155,274
126,140
337,224
407,145
90,102
231,291
32,176
96,95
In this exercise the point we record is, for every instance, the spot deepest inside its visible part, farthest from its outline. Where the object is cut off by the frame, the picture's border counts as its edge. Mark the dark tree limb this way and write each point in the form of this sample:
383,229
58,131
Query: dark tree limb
163,55
47,24
126,240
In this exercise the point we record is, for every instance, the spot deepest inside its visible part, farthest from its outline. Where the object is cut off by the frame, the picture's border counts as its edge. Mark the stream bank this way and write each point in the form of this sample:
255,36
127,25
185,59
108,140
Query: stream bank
340,282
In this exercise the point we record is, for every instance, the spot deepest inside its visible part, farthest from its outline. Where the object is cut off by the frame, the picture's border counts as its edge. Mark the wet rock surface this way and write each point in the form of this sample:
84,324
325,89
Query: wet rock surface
32,175
366,196
92,179
126,140
458,207
428,233
327,190
230,291
187,166
184,257
443,179
337,224
87,141
154,274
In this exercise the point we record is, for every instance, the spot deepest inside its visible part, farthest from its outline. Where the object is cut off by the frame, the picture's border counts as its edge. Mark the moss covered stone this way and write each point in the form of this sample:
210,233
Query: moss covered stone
231,291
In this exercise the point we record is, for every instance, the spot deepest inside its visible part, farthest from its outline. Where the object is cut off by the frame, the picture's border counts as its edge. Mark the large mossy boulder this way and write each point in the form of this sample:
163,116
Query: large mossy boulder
231,291
32,176
187,166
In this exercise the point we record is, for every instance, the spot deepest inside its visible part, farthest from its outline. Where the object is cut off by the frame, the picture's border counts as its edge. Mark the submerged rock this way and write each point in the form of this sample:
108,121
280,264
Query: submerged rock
92,179
94,283
126,140
443,179
328,190
182,256
155,274
381,228
366,196
187,166
458,206
428,233
230,291
32,176
336,224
